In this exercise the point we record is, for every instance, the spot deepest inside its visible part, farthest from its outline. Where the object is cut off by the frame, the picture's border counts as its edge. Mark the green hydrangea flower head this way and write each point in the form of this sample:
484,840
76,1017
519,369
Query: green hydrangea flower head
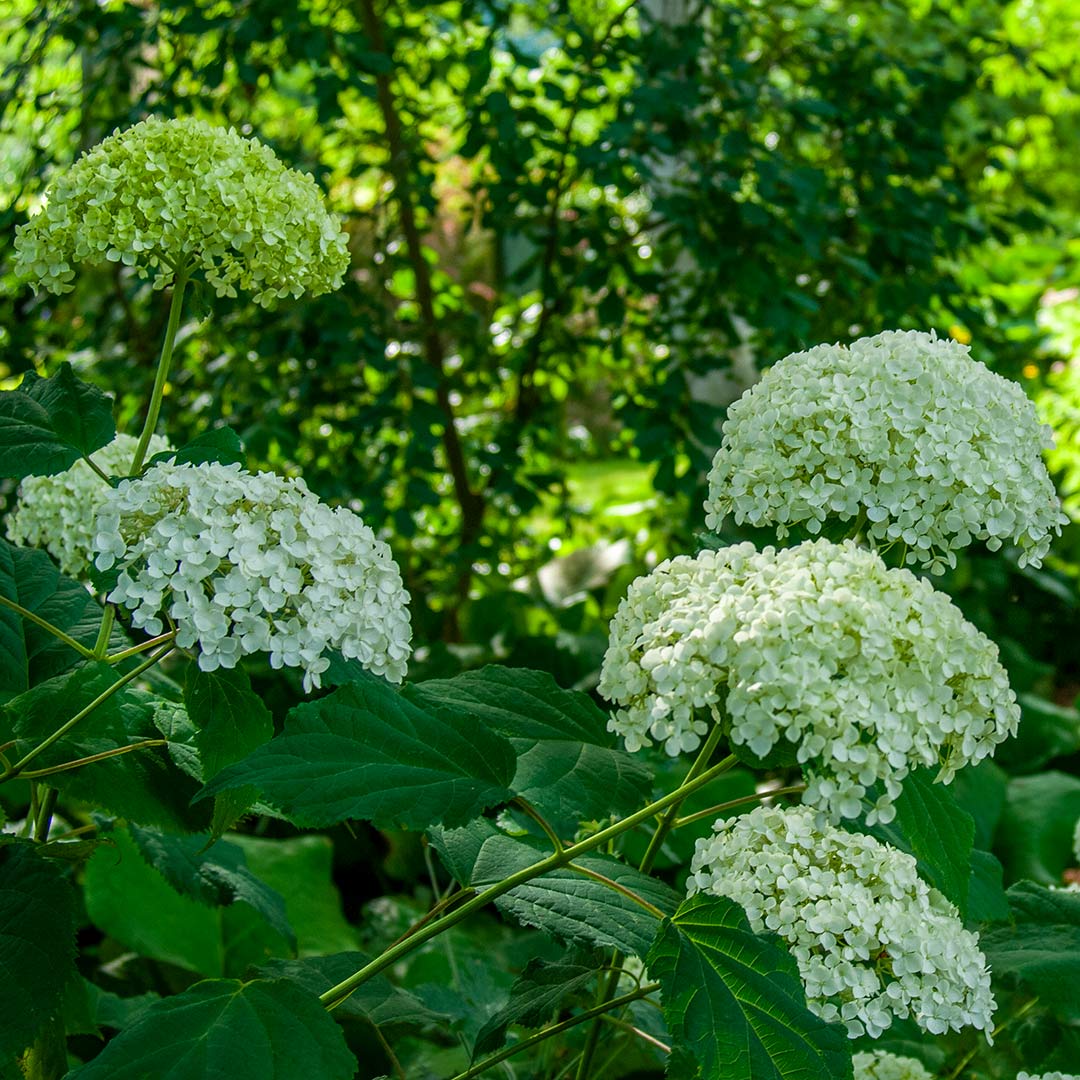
881,1065
171,195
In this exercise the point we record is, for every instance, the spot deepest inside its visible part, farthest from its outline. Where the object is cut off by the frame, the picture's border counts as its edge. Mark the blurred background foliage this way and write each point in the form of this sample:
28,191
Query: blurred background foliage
579,230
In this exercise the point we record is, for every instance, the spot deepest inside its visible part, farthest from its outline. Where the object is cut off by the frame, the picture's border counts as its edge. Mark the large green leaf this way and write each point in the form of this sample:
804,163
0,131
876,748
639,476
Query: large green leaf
135,905
28,654
144,784
259,1030
232,722
1036,832
366,752
216,875
987,901
539,991
571,903
37,943
221,445
1040,946
931,825
734,1000
568,766
46,425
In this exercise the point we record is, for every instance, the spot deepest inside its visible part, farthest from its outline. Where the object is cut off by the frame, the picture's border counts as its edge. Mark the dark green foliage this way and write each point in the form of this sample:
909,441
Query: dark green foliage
259,1030
37,943
48,424
734,1001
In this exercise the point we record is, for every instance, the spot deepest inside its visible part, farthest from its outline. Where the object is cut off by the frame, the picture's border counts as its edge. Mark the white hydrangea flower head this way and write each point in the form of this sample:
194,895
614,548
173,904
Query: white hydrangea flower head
247,562
881,1065
866,672
1047,1076
903,434
872,941
169,194
57,512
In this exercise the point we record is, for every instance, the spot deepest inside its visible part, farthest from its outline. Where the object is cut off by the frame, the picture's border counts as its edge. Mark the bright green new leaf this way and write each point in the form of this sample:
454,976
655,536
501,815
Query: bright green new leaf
366,752
1040,946
568,766
144,785
29,654
48,424
734,1001
232,722
37,943
540,990
216,875
259,1030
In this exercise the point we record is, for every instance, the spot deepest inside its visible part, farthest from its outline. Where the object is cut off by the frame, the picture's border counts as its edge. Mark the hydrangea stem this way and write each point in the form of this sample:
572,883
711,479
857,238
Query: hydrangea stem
179,285
56,632
556,861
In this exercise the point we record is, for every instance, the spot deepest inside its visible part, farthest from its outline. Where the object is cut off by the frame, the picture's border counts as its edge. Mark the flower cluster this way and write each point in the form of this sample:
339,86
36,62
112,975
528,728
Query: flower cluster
1047,1076
903,434
866,671
872,941
251,562
57,512
881,1065
171,195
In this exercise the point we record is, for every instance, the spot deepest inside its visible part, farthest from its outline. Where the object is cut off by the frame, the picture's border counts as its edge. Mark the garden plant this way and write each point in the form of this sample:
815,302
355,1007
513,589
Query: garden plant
827,718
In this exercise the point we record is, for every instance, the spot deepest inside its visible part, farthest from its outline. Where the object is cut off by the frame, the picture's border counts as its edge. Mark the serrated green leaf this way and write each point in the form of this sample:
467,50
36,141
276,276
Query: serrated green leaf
571,903
734,1001
1034,839
931,825
232,722
216,875
376,1001
540,990
131,902
259,1030
986,893
365,752
1040,946
568,766
28,654
37,943
143,784
46,425
220,445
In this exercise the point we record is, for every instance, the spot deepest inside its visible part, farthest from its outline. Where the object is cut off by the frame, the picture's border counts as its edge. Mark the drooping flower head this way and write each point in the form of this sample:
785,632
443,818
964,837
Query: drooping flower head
866,672
873,942
251,562
57,512
881,1065
902,434
171,194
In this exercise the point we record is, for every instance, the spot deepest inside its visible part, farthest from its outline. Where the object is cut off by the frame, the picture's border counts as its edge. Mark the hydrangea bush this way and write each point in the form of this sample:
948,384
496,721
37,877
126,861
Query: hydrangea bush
826,676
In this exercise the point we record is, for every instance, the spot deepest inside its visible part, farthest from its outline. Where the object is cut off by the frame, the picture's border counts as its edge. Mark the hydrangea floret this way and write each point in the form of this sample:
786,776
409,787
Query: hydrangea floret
1047,1076
171,196
247,562
881,1065
867,671
904,435
872,941
57,512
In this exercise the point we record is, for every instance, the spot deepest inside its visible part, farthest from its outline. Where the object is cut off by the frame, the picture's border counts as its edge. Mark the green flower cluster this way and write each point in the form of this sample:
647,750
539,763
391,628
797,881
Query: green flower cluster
180,196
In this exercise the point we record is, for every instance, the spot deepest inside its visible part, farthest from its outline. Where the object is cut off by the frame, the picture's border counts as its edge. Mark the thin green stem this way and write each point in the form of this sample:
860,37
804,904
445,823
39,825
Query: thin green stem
667,823
96,468
43,820
527,808
104,696
101,646
652,909
971,1054
555,1029
179,285
719,808
47,626
153,643
555,861
116,751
